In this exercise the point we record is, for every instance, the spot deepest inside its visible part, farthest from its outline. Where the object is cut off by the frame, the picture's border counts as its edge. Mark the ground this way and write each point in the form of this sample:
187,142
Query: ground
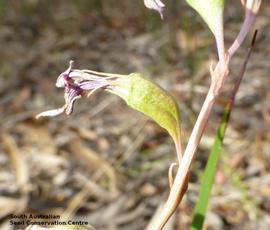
105,163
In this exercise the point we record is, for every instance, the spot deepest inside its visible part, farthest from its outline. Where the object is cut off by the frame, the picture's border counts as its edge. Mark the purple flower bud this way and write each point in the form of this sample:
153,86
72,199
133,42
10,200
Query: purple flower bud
75,82
155,5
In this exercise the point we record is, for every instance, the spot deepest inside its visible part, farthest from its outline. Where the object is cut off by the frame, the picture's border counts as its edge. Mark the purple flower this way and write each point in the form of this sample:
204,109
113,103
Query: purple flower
76,82
155,5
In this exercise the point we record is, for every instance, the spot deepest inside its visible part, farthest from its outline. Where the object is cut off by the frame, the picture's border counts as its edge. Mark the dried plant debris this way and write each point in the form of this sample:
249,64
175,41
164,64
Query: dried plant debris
106,164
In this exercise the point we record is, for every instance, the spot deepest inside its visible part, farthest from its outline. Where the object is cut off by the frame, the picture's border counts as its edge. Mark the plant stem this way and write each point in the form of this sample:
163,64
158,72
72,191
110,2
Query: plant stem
219,75
179,186
180,181
179,153
211,167
219,37
249,20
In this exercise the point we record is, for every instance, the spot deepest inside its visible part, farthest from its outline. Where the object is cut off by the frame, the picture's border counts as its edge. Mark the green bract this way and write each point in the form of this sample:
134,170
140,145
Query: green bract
147,97
211,11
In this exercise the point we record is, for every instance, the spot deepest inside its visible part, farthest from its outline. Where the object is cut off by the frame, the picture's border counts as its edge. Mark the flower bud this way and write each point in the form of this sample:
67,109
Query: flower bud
155,5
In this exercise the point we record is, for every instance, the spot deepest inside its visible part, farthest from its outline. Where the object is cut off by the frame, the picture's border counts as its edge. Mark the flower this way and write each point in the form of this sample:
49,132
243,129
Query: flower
251,5
76,82
155,5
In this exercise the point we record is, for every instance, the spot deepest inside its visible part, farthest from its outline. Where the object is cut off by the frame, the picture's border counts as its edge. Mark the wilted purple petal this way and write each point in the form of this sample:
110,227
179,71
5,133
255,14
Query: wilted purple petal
90,85
72,93
63,77
70,104
155,5
252,5
75,82
51,113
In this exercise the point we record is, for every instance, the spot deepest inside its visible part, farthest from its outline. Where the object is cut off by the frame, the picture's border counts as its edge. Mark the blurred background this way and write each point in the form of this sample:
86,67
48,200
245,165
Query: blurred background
106,163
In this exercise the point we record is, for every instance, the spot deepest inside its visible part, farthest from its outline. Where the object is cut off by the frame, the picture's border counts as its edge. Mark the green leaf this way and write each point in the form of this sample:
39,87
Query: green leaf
211,11
147,97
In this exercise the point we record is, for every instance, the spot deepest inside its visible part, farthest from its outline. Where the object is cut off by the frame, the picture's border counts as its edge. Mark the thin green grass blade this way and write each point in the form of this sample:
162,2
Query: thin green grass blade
209,173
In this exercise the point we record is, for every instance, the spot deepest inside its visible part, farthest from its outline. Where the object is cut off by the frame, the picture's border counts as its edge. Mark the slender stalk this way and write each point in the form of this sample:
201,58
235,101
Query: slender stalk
210,170
180,181
221,49
219,37
249,20
179,153
251,10
219,76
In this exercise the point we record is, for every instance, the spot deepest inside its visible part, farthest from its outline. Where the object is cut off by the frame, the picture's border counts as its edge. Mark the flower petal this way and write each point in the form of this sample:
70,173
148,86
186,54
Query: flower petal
70,104
60,82
155,5
90,85
51,113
